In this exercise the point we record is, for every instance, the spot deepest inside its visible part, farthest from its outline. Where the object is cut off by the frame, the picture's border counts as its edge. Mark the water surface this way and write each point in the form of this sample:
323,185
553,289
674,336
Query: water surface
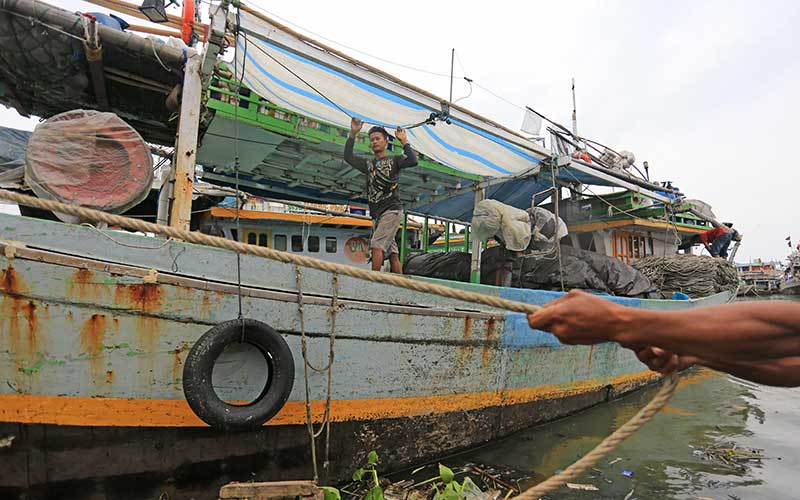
679,454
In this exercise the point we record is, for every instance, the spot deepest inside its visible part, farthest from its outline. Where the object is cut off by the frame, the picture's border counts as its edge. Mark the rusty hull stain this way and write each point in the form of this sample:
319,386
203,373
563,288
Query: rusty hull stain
465,351
92,334
491,330
144,296
11,282
81,284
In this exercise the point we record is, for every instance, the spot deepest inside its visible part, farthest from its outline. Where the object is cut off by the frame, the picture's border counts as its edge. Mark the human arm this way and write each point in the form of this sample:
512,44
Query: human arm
745,331
780,372
354,161
409,158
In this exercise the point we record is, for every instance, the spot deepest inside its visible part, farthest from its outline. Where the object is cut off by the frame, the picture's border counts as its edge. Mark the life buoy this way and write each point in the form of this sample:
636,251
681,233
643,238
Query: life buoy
582,156
187,22
197,385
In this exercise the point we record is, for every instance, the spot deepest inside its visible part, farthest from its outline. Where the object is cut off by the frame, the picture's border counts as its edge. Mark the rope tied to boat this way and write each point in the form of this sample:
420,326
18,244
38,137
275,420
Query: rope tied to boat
631,426
325,425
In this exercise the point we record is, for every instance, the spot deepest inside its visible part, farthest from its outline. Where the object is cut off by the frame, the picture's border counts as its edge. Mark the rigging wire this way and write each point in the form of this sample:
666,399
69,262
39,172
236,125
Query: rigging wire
263,51
236,164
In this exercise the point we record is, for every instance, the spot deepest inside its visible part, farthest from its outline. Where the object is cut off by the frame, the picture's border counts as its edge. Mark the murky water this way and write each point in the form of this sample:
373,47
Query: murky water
685,452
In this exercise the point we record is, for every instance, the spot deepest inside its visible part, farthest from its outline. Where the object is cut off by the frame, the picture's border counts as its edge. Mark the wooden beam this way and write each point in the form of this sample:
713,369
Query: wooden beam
133,10
139,28
186,147
277,489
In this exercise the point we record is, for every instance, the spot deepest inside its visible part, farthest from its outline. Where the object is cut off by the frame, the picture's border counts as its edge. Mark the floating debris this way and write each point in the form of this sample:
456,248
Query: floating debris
6,441
627,473
730,454
584,487
615,461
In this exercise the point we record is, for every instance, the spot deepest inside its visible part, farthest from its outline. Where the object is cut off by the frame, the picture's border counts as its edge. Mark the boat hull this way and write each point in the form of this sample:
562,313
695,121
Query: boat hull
95,328
51,461
791,288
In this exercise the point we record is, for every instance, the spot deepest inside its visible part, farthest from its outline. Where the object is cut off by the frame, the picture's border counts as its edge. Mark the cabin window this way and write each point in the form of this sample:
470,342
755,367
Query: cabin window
235,234
297,243
330,244
630,246
251,238
280,242
262,240
313,243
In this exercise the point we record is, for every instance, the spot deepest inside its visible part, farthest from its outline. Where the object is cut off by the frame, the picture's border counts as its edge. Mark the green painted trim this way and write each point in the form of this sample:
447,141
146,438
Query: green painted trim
475,277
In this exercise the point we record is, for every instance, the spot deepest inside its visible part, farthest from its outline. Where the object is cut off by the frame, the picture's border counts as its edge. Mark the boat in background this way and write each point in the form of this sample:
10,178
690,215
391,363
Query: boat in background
760,278
791,281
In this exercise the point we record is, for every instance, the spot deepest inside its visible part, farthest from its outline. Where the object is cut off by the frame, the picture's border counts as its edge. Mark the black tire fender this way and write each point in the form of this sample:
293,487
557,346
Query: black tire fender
197,384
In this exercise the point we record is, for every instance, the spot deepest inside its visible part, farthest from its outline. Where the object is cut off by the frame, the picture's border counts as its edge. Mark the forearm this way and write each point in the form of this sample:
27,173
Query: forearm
746,331
782,372
348,147
351,159
410,158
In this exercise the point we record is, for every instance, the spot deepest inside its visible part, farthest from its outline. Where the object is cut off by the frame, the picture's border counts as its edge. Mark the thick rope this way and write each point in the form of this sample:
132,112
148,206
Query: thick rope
269,253
607,445
306,365
551,484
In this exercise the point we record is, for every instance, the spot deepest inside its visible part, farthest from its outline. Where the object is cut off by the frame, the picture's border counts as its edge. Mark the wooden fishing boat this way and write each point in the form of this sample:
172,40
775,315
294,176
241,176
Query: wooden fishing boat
96,325
95,333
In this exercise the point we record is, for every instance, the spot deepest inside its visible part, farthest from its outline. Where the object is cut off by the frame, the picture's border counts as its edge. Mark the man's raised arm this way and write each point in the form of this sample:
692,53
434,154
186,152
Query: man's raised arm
410,156
354,161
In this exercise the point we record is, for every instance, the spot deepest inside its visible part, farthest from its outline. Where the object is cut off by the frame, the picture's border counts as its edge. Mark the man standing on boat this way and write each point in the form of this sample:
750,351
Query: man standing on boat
383,174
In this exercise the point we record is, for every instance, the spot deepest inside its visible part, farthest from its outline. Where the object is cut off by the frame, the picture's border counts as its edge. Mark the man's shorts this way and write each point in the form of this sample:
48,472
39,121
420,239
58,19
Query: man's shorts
384,230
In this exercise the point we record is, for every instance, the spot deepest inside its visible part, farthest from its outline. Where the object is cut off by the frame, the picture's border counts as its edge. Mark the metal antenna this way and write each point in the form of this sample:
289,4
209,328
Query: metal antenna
452,57
574,111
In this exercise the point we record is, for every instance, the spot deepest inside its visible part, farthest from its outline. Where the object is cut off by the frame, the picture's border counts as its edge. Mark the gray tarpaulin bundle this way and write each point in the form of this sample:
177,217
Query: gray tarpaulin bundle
694,275
582,269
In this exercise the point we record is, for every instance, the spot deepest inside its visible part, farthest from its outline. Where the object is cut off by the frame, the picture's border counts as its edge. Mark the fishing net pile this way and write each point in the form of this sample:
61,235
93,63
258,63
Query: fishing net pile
694,275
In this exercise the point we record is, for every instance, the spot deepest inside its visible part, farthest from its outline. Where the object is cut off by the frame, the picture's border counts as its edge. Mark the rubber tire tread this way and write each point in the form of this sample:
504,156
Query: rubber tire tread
197,384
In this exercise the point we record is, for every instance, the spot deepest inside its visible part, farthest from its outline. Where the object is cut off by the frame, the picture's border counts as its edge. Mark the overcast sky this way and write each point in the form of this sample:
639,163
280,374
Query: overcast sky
706,91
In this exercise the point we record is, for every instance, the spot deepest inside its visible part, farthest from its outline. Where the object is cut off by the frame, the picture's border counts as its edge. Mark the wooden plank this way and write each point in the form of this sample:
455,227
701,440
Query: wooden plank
263,491
186,147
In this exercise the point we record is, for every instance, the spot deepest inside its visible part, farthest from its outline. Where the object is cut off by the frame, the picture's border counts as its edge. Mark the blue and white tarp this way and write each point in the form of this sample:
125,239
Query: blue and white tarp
469,143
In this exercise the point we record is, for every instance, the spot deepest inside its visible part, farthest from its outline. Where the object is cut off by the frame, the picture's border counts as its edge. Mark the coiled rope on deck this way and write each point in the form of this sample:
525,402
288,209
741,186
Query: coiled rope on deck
551,484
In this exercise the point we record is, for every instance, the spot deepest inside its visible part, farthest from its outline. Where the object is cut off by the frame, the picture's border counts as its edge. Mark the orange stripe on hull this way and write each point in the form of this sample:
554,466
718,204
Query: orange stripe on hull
118,412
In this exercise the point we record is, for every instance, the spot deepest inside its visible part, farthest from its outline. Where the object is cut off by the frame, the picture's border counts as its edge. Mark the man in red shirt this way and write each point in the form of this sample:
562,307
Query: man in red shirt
715,240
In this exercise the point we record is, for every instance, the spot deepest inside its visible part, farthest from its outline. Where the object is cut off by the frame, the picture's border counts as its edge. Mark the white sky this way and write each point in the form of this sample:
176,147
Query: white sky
707,91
